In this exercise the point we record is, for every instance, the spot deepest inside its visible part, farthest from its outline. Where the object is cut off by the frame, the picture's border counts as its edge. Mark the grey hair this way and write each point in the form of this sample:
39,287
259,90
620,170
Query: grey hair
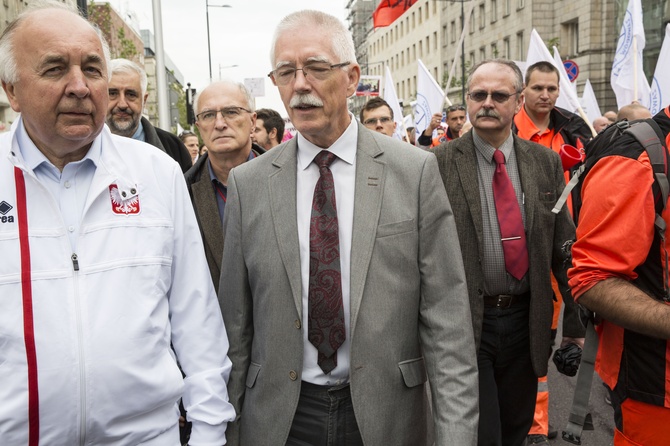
8,67
130,67
342,41
518,77
239,85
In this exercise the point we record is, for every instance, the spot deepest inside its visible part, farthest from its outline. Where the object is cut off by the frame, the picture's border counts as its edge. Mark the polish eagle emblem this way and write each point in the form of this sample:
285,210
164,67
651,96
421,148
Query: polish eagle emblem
122,202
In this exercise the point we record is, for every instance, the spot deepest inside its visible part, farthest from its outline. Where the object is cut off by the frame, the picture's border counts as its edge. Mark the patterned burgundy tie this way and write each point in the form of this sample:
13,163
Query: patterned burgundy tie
512,233
326,313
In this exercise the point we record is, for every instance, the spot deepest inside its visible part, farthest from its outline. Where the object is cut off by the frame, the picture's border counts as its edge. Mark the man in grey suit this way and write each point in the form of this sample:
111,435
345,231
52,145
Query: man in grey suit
397,312
490,173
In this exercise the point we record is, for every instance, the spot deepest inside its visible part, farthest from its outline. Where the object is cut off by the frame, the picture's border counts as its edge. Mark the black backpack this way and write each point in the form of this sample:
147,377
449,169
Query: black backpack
615,137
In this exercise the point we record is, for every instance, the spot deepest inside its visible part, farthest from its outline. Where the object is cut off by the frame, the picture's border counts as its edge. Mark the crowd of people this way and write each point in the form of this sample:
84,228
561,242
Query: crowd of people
339,288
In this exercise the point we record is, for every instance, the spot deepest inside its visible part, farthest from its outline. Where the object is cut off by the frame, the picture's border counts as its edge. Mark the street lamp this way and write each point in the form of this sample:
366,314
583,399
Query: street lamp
209,49
225,67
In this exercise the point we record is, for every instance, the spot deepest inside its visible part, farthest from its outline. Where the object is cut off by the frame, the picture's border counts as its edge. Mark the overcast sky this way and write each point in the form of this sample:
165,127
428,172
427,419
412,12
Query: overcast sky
240,35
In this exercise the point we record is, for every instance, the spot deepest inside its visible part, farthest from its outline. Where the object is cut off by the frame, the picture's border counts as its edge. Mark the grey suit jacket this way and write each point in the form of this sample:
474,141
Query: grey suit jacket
542,182
410,316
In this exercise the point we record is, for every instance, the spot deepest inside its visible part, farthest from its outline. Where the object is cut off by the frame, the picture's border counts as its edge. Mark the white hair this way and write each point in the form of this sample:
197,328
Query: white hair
130,67
8,67
343,44
239,85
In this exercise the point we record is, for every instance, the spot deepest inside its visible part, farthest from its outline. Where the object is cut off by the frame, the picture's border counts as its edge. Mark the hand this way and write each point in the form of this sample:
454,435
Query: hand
433,124
579,342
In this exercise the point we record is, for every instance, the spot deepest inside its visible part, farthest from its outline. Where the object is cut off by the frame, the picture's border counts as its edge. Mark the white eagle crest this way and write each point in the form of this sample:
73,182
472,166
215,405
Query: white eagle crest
121,205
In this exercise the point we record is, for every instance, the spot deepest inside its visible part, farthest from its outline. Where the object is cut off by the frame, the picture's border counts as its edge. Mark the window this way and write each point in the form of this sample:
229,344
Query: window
570,31
472,22
507,52
521,4
413,21
508,8
453,31
482,16
494,50
420,16
445,36
413,51
472,59
420,48
435,40
402,58
427,12
482,53
428,45
494,11
520,46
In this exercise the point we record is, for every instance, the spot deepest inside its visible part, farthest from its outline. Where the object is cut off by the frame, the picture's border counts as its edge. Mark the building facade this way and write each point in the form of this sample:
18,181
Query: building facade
584,31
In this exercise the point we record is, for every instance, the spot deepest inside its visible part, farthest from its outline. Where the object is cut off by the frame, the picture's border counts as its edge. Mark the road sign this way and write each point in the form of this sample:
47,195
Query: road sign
572,68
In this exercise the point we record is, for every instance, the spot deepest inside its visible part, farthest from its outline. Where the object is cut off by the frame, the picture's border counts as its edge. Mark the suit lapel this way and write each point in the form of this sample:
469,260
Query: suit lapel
466,165
282,185
368,194
208,211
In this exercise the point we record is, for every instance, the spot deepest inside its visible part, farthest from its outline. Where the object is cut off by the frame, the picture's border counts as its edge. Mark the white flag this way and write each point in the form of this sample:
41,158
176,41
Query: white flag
429,98
567,98
660,84
627,64
589,102
391,97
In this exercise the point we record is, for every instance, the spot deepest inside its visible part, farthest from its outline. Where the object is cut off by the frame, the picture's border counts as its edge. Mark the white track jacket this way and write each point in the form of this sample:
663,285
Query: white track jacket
93,363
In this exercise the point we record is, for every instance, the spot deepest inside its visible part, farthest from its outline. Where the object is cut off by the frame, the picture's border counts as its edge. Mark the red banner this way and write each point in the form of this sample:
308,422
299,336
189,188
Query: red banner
389,10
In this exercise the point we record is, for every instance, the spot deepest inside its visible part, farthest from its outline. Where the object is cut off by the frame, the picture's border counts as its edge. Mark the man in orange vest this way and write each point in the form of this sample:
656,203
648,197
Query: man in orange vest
540,121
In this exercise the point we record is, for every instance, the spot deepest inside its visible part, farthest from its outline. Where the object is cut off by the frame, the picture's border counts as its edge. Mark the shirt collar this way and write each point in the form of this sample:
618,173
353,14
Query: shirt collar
139,133
34,158
344,147
213,177
487,150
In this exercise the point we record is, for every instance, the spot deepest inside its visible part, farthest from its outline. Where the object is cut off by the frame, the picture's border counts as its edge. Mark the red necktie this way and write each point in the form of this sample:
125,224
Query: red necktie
325,310
512,233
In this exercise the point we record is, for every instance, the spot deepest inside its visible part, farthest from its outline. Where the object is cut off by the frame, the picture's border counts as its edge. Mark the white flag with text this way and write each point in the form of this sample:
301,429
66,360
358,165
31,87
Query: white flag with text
660,84
429,98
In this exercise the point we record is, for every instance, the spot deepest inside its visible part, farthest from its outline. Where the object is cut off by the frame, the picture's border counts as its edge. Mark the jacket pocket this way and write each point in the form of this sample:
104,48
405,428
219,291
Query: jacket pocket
413,372
252,374
399,227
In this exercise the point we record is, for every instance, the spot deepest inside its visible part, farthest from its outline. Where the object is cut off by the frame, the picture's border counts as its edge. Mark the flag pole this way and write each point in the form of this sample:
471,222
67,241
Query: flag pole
458,52
635,67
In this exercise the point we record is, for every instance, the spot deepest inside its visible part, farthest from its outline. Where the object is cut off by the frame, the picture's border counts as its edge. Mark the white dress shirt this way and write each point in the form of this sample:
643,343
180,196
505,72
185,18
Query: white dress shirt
344,174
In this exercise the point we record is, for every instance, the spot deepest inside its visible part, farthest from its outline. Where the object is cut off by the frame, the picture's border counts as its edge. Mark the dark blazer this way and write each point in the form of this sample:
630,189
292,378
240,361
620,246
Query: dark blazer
542,182
207,212
168,143
410,317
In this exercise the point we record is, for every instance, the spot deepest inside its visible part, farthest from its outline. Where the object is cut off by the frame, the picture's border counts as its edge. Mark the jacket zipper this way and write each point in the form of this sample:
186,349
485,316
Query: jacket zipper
80,338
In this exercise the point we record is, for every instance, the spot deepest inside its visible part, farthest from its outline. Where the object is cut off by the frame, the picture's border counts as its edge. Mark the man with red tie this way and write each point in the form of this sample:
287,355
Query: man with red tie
502,189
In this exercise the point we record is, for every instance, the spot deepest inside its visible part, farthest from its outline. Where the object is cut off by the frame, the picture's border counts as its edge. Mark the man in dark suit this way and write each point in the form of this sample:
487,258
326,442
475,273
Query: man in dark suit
127,97
490,173
343,287
225,118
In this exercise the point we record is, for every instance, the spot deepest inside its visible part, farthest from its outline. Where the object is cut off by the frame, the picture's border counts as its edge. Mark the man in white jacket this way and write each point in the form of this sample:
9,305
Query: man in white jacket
104,287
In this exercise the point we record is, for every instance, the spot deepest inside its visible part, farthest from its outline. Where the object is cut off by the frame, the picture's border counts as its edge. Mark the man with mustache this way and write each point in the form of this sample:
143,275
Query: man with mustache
342,281
502,189
226,120
127,97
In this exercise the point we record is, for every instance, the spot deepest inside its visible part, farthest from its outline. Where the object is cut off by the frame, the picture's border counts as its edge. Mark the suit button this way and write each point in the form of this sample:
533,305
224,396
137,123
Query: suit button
293,375
298,324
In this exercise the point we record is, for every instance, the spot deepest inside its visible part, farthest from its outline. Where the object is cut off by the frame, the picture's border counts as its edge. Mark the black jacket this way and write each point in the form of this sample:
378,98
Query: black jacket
168,143
206,209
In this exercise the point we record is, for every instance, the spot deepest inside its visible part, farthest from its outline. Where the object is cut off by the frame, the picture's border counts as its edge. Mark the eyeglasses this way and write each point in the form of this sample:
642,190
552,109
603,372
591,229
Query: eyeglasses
373,121
497,96
228,113
319,71
457,107
186,133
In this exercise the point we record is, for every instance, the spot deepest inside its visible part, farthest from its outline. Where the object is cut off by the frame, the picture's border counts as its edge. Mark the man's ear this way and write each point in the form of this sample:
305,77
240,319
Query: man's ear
273,134
11,95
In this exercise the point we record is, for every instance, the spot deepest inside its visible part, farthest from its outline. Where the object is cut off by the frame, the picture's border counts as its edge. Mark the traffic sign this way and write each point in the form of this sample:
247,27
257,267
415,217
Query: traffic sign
572,69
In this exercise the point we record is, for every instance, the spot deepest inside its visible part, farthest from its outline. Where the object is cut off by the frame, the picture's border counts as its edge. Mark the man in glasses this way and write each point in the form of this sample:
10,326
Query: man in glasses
343,280
502,189
225,119
127,97
540,121
377,115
